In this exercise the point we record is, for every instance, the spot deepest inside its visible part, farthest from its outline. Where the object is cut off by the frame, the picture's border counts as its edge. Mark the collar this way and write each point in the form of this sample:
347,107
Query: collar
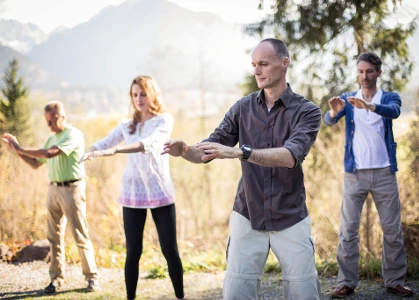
285,98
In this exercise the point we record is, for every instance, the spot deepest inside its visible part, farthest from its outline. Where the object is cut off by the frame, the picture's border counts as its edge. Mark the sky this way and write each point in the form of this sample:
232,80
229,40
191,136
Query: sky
50,14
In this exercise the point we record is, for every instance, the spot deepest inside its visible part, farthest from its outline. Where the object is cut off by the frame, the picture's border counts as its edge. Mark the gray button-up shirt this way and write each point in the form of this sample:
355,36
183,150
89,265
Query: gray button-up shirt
272,198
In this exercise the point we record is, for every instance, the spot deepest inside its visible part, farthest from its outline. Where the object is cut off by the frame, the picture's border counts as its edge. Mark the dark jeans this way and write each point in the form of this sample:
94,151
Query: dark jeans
165,220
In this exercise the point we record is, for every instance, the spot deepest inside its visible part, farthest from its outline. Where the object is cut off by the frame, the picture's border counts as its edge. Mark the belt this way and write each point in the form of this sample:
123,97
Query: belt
64,183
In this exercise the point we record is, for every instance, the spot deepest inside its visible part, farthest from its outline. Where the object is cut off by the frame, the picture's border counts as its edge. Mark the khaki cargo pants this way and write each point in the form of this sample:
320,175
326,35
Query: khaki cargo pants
248,250
68,204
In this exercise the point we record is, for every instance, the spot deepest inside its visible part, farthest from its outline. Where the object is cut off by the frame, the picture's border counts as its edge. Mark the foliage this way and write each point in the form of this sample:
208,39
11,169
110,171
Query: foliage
409,184
326,36
249,86
157,272
14,108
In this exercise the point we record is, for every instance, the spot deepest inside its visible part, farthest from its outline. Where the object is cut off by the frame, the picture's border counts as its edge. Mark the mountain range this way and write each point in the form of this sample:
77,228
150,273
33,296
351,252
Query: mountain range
194,56
154,37
19,36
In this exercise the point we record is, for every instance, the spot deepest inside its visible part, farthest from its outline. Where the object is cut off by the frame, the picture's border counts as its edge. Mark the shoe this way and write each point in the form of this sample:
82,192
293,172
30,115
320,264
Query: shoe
342,292
51,288
93,285
400,290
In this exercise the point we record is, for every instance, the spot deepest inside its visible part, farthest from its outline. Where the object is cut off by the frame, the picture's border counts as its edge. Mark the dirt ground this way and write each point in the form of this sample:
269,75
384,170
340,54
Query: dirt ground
27,280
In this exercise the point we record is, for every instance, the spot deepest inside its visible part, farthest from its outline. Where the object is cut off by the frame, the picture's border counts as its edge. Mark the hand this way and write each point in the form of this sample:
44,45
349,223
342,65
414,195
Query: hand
361,103
97,153
215,150
336,105
175,148
11,140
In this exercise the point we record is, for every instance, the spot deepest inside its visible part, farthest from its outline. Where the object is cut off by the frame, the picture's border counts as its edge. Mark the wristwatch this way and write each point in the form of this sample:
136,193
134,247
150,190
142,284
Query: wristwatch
247,150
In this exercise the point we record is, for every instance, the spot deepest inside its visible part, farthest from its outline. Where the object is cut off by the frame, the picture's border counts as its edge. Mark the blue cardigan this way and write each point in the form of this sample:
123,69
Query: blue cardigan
389,109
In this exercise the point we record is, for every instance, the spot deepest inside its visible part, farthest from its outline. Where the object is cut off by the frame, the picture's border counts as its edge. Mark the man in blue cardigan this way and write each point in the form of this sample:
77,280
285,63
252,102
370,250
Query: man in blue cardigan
370,166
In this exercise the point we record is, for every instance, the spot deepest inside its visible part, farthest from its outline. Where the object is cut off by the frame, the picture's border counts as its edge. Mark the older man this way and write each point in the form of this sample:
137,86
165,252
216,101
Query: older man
66,200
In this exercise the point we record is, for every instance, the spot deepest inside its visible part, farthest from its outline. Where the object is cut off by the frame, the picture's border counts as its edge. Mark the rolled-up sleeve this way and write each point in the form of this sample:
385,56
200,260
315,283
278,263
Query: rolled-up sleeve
304,133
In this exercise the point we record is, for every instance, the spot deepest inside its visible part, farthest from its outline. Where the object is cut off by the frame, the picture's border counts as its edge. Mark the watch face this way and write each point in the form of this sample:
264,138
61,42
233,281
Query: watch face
246,148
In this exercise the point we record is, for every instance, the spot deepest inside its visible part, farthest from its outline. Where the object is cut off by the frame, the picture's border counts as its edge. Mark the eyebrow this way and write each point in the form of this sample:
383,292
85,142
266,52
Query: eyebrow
260,62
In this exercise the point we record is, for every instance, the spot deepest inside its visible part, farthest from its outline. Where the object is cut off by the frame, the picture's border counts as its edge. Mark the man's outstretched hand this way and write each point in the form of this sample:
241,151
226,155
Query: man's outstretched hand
11,140
336,105
216,150
175,148
361,103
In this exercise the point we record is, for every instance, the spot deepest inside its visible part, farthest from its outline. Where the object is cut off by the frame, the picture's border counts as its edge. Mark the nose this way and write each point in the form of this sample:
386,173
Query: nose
256,70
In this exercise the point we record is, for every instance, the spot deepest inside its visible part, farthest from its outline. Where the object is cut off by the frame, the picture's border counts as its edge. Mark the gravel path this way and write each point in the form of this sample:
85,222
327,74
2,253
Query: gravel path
26,281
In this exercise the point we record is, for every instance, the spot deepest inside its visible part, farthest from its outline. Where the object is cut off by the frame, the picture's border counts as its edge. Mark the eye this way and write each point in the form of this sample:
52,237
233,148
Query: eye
143,95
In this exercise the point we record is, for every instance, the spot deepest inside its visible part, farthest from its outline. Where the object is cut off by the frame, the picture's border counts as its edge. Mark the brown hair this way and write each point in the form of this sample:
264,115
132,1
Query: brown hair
149,86
371,58
56,106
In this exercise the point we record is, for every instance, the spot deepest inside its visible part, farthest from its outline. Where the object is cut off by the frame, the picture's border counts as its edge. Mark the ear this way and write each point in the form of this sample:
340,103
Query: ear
379,73
286,62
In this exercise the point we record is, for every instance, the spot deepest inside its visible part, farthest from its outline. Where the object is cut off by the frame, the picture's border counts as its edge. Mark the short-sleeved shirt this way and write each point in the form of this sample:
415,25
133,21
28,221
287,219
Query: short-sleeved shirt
146,181
272,198
65,166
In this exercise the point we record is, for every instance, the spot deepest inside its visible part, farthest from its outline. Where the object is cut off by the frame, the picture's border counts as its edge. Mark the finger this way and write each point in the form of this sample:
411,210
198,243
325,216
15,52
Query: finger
201,145
210,151
209,157
83,158
354,98
205,144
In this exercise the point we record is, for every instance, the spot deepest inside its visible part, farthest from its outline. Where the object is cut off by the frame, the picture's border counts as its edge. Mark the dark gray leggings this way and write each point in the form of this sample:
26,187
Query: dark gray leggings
165,220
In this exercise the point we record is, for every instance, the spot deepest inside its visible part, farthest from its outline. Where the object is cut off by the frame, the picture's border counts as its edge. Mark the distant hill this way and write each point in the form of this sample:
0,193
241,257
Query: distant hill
181,48
19,36
35,76
198,59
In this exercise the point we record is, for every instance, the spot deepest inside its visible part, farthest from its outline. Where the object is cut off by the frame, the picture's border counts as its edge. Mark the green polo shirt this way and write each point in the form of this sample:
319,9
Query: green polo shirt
65,166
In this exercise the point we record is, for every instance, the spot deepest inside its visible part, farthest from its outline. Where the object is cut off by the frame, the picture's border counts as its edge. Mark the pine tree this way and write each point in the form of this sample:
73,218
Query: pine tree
14,107
326,37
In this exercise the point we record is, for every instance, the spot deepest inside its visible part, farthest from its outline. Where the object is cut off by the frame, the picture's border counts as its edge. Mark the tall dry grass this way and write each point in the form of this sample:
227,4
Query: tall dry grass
205,195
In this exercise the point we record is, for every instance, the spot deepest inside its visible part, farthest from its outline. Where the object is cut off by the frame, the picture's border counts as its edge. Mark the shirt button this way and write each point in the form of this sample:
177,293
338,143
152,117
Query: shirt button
266,179
269,144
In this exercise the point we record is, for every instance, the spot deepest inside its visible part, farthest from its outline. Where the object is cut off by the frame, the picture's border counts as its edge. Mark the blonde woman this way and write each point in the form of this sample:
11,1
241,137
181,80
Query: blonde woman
146,181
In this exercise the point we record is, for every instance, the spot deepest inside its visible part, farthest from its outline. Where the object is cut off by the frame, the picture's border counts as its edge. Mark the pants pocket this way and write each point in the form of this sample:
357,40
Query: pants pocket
227,246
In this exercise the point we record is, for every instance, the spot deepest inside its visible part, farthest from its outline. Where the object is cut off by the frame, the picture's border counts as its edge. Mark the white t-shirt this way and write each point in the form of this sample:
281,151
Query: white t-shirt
369,146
